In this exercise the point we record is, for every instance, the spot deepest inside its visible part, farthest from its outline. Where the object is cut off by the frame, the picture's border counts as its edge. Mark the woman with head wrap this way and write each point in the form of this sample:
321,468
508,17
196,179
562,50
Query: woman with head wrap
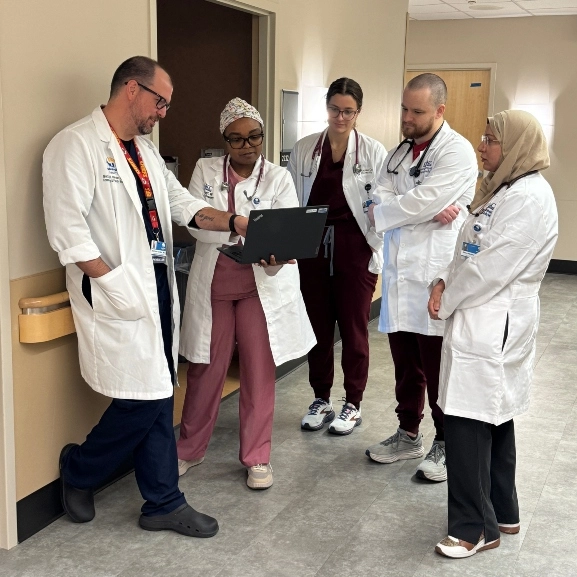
489,296
260,308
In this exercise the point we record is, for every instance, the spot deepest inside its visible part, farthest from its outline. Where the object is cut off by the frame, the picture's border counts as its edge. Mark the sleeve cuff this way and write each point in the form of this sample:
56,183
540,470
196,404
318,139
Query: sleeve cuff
190,211
80,253
380,221
374,240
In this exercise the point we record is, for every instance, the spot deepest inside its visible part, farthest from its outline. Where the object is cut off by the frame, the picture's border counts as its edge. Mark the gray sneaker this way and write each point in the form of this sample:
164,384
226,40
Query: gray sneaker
396,448
433,466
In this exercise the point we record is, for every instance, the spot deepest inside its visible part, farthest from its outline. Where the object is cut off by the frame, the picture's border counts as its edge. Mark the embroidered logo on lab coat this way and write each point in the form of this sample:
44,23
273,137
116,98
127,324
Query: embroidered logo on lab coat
111,165
488,210
207,191
427,167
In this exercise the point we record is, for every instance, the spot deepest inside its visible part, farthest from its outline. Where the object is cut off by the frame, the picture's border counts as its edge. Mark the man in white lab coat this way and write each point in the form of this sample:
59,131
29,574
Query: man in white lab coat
109,201
421,195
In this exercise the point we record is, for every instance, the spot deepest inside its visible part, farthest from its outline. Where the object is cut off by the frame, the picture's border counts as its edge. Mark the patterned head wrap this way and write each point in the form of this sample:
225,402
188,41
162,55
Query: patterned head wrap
235,109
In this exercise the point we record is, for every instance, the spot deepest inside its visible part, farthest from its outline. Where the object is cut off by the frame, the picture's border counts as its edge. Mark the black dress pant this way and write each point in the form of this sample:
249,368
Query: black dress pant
481,477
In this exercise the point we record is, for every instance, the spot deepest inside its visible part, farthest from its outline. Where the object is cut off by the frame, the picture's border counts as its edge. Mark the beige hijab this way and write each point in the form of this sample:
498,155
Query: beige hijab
523,150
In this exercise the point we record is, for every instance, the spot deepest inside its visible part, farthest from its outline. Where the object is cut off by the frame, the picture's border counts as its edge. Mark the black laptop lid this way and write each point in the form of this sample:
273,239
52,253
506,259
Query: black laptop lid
285,232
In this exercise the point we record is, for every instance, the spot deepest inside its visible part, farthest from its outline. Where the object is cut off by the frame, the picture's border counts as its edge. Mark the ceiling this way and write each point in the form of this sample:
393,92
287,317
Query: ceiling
461,9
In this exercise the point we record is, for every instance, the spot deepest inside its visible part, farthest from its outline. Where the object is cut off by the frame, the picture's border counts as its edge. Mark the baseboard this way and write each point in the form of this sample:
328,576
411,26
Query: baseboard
43,507
563,266
39,509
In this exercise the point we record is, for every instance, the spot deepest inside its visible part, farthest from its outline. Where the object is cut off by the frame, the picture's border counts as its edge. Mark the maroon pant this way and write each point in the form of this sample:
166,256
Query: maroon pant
345,298
417,360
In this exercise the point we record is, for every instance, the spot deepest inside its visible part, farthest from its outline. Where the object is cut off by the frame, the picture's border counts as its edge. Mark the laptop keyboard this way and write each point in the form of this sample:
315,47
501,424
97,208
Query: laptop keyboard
235,250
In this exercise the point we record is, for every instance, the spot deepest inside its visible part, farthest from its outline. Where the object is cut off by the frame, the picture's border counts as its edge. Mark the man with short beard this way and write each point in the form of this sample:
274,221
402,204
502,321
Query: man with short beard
109,200
427,181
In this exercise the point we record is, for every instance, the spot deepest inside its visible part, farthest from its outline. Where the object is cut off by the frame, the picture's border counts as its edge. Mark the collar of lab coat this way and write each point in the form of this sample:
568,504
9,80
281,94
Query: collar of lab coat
124,171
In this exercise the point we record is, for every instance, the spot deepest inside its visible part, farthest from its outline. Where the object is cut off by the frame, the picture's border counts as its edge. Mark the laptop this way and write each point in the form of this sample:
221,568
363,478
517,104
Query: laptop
285,232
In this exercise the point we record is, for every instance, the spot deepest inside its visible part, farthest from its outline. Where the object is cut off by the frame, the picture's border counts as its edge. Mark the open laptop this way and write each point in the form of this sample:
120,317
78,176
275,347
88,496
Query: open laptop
284,232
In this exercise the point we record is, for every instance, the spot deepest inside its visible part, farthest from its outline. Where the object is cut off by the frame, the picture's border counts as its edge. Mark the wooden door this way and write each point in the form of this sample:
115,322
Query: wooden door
467,102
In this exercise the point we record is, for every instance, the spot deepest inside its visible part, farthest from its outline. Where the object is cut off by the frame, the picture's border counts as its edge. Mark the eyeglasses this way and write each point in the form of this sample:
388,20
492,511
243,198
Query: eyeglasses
488,141
238,141
348,114
161,102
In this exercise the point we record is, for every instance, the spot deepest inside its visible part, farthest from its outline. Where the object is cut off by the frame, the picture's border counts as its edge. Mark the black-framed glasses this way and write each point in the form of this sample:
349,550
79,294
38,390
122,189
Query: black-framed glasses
348,113
238,141
161,102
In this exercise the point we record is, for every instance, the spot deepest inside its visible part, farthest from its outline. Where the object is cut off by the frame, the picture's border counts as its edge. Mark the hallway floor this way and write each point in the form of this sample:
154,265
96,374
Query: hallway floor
331,512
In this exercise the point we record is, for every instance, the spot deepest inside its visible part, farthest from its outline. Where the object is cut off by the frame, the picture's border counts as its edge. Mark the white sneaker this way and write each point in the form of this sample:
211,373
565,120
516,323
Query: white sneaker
348,419
320,412
184,466
259,476
433,466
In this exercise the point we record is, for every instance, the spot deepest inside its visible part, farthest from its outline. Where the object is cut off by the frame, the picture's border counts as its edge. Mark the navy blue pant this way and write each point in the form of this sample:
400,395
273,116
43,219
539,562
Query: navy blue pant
143,429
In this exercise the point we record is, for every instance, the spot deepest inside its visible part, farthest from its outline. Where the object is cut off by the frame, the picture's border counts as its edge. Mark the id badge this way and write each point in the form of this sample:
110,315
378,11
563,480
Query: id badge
469,249
158,251
366,204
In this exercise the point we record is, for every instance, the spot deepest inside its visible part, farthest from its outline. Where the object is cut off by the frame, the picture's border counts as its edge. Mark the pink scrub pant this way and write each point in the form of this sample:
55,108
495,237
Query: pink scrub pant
243,322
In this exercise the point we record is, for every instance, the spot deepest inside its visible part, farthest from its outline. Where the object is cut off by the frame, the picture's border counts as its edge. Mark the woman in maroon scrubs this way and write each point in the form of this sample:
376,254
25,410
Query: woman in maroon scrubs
338,168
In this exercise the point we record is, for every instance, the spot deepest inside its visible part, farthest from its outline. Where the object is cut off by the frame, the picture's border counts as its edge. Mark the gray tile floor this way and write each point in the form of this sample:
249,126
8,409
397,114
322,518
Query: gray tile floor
332,512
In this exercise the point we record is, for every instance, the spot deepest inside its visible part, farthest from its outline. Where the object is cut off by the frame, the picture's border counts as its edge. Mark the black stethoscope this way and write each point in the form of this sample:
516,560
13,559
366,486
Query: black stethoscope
415,170
319,148
477,227
225,185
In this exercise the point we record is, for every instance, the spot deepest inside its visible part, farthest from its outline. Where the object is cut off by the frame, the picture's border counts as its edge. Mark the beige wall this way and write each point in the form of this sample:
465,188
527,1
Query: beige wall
319,41
535,65
56,61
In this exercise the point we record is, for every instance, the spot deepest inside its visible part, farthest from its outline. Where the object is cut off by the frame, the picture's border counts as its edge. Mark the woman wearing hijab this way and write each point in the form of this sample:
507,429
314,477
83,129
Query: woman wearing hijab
338,168
489,297
258,307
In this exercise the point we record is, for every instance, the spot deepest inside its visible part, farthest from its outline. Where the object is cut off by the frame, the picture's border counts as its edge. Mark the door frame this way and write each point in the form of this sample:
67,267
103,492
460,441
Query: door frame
267,98
492,66
8,526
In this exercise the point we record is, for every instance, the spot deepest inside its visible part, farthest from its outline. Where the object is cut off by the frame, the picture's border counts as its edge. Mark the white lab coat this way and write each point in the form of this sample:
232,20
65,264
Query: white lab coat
416,247
290,333
93,210
371,158
482,378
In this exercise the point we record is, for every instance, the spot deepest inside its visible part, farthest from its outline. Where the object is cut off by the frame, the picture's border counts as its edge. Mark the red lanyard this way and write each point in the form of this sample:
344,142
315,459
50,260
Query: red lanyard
142,174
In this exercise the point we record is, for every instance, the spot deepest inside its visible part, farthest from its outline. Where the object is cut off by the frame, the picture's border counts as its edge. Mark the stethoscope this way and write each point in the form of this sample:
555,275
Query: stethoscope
319,148
479,226
415,170
225,185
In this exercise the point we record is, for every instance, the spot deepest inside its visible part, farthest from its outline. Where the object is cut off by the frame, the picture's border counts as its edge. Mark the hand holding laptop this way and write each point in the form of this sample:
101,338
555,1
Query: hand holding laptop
273,262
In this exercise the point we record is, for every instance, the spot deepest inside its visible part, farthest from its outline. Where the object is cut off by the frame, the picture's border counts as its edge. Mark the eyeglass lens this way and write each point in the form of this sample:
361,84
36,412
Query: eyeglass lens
238,142
334,112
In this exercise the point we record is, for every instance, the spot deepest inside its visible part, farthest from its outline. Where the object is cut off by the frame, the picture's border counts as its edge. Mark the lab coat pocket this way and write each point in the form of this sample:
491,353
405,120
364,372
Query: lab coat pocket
441,249
113,297
478,331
